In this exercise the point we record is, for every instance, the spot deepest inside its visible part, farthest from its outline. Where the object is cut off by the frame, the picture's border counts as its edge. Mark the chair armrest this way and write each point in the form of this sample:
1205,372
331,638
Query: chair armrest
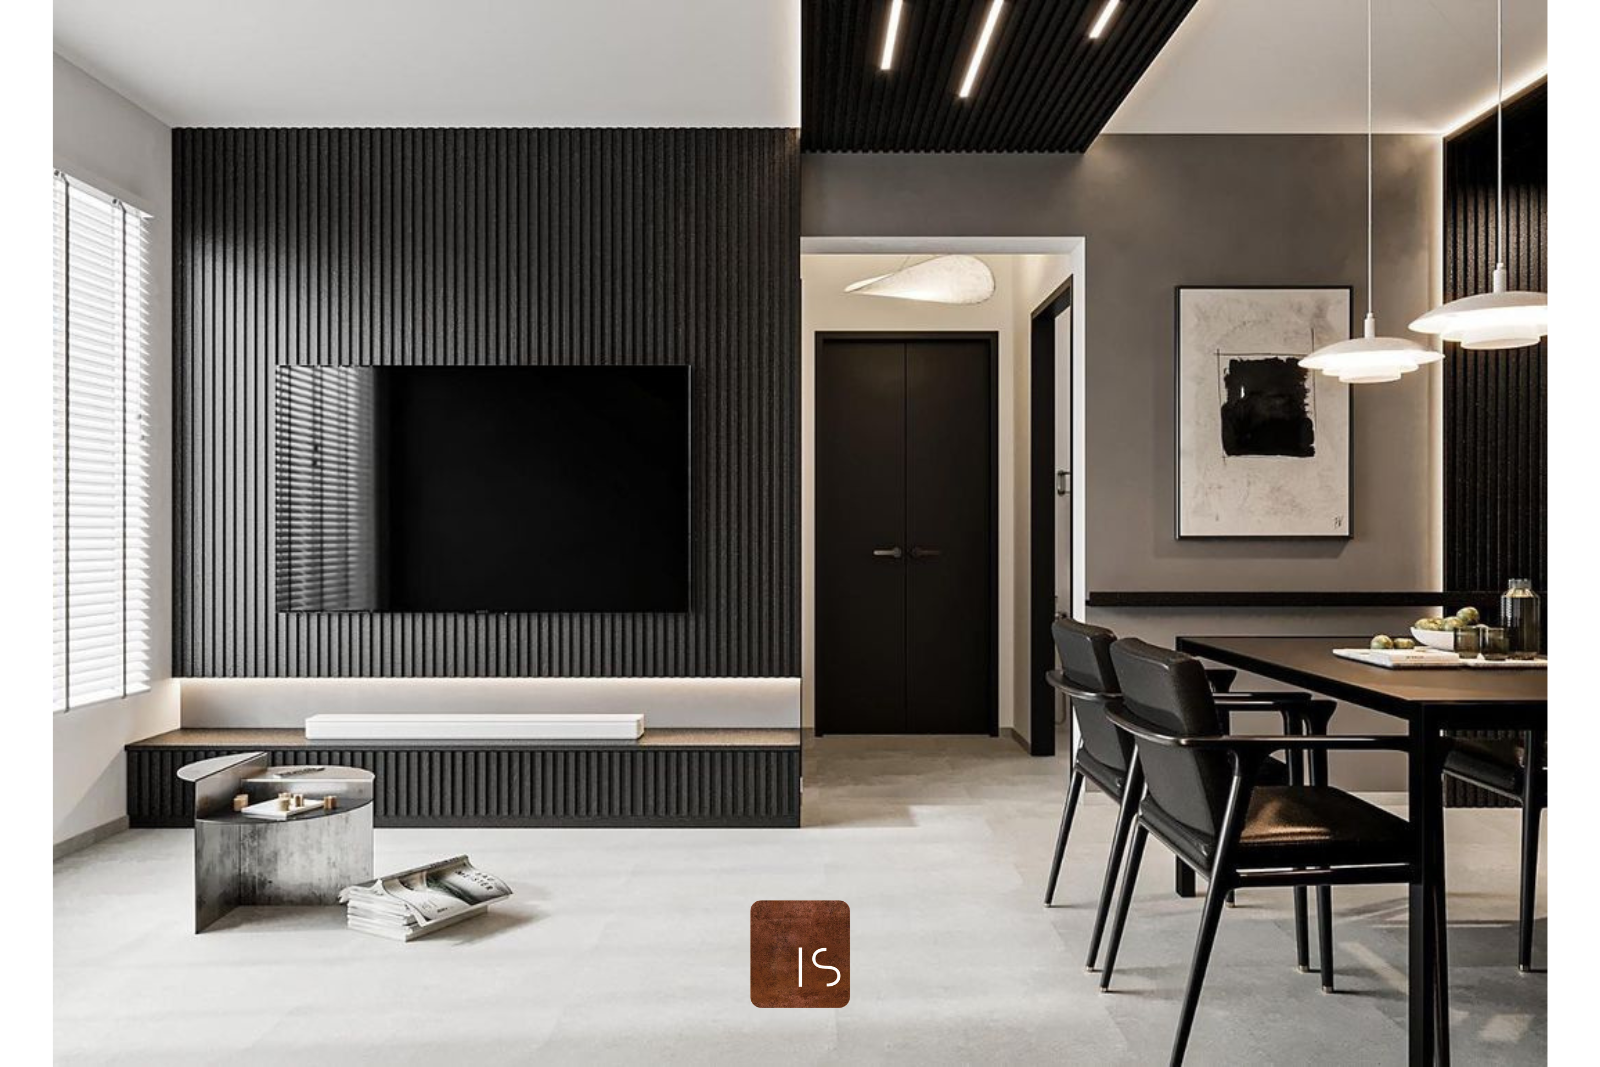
1060,683
1253,744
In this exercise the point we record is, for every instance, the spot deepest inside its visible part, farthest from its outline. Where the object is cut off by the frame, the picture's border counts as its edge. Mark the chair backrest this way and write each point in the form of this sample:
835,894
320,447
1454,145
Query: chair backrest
1169,690
1085,653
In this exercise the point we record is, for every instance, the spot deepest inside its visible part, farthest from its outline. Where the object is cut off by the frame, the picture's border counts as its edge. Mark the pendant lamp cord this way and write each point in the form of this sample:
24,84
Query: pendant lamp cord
1499,131
1369,158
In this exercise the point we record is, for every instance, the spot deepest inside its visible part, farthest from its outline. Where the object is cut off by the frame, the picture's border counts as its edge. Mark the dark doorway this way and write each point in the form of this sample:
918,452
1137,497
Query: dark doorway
906,549
1050,479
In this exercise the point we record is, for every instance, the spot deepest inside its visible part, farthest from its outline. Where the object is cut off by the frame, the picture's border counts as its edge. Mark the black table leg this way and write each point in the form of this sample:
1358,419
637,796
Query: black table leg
1429,993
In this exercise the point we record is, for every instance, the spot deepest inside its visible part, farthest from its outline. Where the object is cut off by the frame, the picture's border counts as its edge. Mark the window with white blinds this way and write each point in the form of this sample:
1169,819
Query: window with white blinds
101,458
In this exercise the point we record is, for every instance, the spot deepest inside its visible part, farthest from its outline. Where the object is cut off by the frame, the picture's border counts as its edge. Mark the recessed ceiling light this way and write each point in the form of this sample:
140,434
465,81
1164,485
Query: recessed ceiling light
979,50
889,35
1104,17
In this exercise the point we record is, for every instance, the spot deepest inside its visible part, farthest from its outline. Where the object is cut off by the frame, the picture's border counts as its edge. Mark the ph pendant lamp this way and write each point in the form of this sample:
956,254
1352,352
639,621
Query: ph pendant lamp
1501,318
1369,358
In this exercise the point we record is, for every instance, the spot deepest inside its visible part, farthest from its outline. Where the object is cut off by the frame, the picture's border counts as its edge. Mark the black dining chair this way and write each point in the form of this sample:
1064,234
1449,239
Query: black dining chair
1105,757
1203,801
1502,766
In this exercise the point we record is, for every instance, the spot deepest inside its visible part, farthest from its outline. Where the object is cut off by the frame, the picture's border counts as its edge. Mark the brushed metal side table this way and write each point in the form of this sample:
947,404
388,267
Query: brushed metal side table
304,860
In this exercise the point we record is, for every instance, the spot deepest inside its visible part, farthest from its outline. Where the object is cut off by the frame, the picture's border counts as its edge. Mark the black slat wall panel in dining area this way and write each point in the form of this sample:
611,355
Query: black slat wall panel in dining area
1495,472
488,246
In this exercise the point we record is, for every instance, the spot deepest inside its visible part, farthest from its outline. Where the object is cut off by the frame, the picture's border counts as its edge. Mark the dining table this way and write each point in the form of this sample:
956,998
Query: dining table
1429,701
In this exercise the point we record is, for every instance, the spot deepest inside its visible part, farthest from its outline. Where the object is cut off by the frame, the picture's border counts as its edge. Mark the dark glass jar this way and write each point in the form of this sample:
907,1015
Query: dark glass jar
1520,615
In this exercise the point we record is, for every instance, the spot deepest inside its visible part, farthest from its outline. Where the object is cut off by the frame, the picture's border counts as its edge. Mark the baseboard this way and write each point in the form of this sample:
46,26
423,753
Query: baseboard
94,835
1022,742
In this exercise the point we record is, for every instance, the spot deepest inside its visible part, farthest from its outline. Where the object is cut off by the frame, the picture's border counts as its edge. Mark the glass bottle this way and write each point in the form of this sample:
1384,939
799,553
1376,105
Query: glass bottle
1519,614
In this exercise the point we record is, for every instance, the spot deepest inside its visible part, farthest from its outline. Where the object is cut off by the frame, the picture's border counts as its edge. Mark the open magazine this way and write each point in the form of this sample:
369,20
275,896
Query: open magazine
411,903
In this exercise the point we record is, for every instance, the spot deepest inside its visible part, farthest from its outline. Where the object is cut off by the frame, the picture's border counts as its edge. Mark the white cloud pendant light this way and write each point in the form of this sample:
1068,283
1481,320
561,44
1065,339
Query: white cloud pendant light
1369,358
940,280
1501,318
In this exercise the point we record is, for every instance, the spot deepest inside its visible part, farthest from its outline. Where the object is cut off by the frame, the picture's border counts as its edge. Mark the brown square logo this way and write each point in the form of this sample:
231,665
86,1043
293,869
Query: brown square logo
799,953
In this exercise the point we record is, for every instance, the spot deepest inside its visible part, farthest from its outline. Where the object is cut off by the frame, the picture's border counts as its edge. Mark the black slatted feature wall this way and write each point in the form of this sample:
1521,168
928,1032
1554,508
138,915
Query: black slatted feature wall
1495,471
1495,486
488,246
1044,86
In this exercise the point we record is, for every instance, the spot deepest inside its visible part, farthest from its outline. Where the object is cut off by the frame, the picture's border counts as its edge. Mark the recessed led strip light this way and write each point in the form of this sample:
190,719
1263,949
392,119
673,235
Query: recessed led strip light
981,49
1104,17
890,33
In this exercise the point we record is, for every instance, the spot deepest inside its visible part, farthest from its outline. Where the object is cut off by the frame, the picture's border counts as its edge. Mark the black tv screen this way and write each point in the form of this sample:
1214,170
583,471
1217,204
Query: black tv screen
482,489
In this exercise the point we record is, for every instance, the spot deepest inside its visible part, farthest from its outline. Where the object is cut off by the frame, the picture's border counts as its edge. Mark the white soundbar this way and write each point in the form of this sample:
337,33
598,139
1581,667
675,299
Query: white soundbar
469,727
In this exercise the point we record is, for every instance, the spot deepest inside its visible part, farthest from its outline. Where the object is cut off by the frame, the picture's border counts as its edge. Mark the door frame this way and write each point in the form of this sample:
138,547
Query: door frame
992,338
1041,512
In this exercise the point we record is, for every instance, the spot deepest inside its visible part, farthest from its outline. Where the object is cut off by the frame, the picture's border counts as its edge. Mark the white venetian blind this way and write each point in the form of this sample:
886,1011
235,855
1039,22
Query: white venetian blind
101,554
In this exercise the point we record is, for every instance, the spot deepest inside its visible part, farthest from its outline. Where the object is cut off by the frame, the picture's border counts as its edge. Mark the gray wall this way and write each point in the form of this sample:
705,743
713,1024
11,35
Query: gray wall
1162,211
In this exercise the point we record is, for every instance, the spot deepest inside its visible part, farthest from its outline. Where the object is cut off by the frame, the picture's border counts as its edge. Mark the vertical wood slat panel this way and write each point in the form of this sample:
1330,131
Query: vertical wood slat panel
497,247
1495,402
519,787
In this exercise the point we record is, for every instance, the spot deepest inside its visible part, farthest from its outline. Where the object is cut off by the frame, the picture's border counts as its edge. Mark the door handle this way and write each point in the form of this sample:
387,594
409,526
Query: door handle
1061,483
892,553
924,553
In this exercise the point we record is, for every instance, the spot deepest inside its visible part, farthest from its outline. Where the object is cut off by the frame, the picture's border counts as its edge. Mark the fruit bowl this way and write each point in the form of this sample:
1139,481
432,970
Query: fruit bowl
1440,639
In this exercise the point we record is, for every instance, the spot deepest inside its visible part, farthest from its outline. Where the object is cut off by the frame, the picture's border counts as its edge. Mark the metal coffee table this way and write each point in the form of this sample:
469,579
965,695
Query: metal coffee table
304,860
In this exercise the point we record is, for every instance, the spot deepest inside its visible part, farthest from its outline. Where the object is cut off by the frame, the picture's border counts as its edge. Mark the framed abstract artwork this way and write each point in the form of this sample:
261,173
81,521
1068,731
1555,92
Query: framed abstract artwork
1263,446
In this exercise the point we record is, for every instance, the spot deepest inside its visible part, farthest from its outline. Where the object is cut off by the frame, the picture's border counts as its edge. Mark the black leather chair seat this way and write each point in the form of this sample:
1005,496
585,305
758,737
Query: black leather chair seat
1110,780
1493,763
1296,826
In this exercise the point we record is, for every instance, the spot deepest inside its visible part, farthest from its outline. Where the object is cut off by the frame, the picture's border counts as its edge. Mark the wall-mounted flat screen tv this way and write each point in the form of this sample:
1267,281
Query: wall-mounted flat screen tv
481,489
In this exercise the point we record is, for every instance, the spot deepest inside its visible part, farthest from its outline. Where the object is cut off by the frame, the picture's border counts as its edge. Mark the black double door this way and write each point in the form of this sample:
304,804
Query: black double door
905,534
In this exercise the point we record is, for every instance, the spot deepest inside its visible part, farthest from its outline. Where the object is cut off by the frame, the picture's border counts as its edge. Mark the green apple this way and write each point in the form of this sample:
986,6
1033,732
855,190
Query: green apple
1469,615
1453,623
1404,643
1381,641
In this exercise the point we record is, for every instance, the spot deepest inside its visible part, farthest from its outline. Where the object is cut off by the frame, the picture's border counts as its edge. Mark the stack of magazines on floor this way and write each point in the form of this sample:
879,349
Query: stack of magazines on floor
412,903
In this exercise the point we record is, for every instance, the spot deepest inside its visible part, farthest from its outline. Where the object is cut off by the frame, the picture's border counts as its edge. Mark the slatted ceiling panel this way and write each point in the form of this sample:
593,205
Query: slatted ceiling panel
447,247
1044,86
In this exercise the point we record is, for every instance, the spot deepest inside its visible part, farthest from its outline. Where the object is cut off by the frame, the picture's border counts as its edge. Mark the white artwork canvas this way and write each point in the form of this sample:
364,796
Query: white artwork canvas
1263,446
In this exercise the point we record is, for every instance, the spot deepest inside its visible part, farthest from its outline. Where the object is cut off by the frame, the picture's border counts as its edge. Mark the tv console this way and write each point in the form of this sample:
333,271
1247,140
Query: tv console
667,778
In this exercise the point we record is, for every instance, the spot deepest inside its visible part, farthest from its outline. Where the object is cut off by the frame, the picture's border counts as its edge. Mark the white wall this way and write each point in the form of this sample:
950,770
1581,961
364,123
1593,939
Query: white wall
103,139
1021,282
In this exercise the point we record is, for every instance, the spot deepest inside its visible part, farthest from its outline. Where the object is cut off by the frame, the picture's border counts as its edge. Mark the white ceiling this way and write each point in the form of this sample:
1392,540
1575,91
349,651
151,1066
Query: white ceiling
443,62
1299,66
1234,66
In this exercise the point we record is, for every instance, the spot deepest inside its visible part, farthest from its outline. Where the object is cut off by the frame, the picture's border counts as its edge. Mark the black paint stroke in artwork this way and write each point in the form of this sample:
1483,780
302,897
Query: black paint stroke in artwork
1265,409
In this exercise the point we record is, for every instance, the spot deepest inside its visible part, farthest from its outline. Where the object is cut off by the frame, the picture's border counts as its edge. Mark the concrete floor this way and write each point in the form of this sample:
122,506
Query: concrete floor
632,946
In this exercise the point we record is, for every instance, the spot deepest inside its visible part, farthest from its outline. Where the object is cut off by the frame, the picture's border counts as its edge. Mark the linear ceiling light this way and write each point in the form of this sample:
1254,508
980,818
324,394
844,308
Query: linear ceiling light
1104,17
890,32
980,49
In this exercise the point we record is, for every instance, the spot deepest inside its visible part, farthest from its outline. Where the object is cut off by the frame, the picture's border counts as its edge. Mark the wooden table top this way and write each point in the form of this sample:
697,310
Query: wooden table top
1309,663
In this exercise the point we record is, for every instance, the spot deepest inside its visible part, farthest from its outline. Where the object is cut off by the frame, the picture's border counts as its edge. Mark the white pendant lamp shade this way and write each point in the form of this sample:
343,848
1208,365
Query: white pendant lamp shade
940,280
1498,319
1370,358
